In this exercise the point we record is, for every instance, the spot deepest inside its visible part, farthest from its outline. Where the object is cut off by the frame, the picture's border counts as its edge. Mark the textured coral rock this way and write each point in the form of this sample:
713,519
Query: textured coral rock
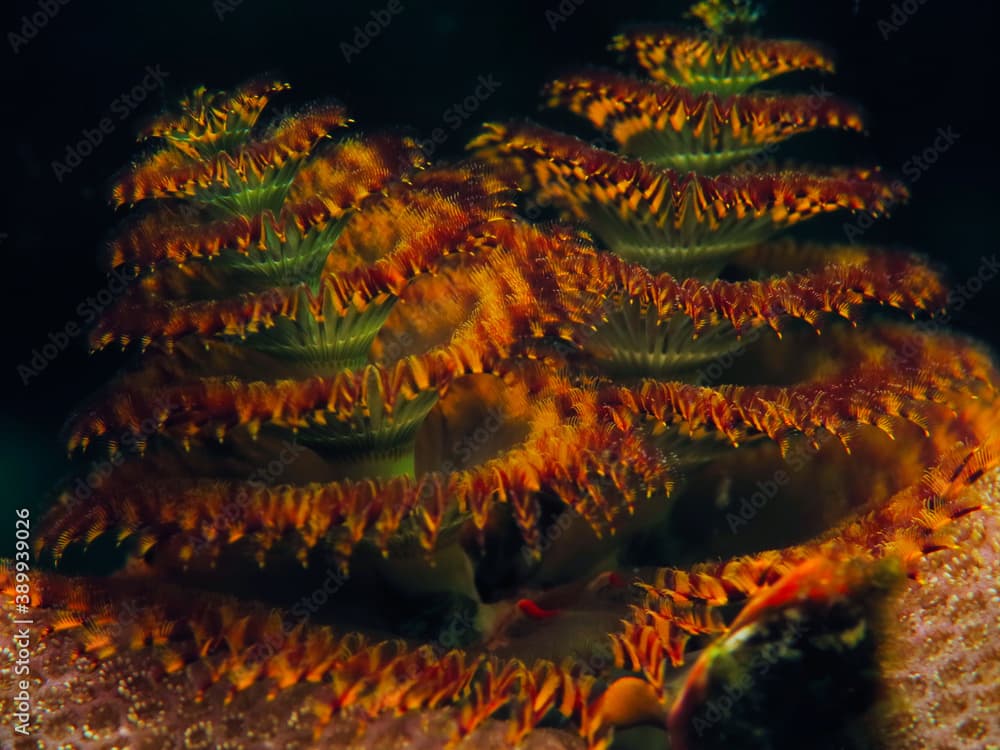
943,650
89,702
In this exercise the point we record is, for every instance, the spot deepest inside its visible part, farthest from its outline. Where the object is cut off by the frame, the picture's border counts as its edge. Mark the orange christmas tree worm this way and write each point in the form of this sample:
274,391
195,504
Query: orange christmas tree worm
480,416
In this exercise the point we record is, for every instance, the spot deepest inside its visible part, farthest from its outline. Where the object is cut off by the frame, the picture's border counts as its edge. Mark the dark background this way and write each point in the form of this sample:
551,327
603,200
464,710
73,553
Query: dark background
933,72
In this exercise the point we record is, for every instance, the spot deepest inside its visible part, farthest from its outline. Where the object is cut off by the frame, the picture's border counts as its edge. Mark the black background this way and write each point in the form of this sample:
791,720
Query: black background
935,71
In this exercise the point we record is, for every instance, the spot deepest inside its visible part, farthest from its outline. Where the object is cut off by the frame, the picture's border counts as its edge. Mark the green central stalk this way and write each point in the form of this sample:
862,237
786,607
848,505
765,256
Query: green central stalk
377,463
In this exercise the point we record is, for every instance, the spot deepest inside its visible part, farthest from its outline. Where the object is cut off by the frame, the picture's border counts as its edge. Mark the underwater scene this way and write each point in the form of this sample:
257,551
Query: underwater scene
556,375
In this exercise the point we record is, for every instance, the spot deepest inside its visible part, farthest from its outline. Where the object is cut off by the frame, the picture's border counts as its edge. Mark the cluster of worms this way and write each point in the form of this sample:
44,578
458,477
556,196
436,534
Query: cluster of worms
489,416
